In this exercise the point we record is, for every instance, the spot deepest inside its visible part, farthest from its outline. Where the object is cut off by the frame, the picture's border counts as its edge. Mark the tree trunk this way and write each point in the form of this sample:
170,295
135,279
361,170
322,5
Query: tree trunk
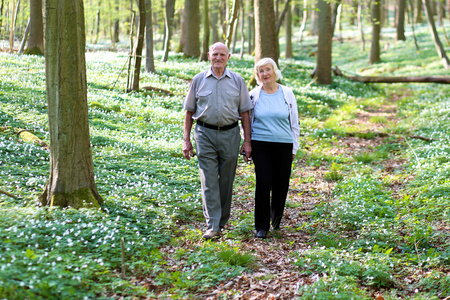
287,6
214,21
251,27
401,20
13,25
97,23
314,29
334,16
205,41
116,24
234,16
265,31
192,23
168,20
376,27
71,181
149,57
24,39
419,12
1,15
183,32
139,46
361,28
304,19
241,54
288,44
437,42
323,71
35,44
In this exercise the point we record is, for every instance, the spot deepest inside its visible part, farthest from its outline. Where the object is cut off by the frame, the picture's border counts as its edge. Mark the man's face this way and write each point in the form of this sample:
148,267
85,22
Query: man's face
219,57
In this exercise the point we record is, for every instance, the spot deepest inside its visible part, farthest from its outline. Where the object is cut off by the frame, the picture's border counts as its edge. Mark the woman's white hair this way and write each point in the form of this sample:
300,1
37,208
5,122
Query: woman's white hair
265,61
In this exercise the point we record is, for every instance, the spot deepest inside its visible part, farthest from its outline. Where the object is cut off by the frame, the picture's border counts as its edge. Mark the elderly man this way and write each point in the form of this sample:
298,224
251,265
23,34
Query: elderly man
216,100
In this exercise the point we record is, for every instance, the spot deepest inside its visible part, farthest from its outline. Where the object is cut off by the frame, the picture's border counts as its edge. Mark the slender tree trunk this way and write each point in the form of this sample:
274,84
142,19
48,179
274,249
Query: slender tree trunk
314,29
376,27
234,16
149,57
214,21
235,35
401,20
361,28
251,26
419,11
25,37
1,15
139,46
13,25
287,6
192,22
71,181
168,20
437,42
288,45
334,16
304,19
97,23
116,23
241,54
183,32
205,41
323,71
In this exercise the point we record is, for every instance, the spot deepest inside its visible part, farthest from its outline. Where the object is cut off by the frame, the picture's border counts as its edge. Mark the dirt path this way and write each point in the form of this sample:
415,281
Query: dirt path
275,276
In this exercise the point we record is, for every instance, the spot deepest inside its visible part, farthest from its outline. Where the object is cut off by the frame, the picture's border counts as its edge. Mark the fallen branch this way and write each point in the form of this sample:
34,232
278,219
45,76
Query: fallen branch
422,138
151,88
31,138
393,79
8,194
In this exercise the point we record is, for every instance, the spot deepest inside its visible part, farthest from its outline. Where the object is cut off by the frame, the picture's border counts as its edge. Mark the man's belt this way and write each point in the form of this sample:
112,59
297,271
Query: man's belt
226,127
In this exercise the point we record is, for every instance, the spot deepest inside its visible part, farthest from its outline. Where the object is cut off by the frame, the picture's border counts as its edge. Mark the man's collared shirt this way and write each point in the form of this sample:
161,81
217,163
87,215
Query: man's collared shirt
217,101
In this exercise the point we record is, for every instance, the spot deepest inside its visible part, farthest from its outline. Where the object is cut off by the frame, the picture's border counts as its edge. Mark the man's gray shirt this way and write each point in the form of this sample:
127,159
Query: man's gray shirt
217,101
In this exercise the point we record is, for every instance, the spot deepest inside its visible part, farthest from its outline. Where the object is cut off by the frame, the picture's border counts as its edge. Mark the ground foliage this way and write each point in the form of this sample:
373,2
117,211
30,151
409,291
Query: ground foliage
367,213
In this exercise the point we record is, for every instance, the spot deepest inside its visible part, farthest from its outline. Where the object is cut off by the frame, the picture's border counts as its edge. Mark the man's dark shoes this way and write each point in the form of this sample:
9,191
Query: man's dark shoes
261,234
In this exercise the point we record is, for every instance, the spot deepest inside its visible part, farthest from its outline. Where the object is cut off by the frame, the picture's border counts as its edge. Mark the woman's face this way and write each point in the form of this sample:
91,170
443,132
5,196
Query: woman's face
266,74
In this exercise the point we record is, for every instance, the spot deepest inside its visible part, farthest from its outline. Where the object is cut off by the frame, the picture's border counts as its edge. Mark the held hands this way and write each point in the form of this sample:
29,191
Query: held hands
188,150
246,151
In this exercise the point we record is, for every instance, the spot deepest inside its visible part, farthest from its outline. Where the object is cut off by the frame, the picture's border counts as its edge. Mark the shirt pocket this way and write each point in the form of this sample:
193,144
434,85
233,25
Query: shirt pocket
204,94
232,99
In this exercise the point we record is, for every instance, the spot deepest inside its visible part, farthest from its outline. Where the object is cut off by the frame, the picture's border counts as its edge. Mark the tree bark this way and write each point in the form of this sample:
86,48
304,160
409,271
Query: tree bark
334,16
437,42
214,21
288,44
192,26
168,21
265,31
139,46
71,181
361,28
304,19
241,54
205,41
35,44
116,24
400,28
323,70
234,16
376,28
149,57
419,12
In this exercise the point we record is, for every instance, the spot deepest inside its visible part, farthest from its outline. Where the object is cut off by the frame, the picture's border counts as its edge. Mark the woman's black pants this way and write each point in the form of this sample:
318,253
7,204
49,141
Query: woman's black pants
273,163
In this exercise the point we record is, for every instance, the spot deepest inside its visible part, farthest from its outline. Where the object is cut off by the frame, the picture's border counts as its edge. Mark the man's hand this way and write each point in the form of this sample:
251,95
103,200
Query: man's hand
188,150
247,147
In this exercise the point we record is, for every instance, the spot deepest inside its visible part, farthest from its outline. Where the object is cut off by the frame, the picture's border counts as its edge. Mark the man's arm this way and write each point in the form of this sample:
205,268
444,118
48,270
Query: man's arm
188,150
246,145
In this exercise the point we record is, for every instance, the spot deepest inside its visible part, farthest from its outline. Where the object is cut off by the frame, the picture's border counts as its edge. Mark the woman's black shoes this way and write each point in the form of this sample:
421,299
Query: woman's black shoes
261,234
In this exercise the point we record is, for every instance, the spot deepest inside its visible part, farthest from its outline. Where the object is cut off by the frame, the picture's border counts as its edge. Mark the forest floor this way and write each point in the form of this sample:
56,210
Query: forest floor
274,275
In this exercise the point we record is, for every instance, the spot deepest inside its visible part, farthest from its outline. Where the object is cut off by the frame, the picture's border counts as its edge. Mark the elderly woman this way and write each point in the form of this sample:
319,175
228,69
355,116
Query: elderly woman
274,139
